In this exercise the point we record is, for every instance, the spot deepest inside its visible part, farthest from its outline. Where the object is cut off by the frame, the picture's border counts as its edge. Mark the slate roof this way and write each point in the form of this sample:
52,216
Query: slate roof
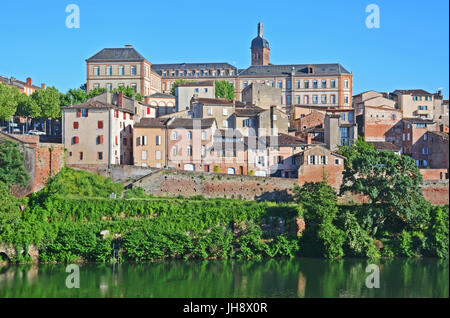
247,111
285,140
259,43
274,70
411,91
199,83
188,123
213,101
101,101
161,95
158,68
121,54
152,123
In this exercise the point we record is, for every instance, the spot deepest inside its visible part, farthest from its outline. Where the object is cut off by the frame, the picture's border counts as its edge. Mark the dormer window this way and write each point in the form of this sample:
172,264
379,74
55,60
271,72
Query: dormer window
310,69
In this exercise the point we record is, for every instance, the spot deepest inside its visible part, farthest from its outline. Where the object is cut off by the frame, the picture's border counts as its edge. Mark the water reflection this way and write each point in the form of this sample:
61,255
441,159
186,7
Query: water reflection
298,277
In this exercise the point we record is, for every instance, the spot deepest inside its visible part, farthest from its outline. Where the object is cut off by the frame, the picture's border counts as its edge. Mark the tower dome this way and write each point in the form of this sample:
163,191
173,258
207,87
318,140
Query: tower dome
260,48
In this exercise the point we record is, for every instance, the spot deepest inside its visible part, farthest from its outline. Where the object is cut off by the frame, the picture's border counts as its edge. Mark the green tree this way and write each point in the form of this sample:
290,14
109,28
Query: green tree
319,203
176,83
95,92
225,89
128,92
73,97
392,183
8,101
10,204
27,107
12,168
49,101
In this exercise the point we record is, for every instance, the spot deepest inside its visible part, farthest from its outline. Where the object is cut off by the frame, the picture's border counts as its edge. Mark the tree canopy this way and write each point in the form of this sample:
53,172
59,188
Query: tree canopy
391,181
225,89
49,101
8,101
12,168
128,92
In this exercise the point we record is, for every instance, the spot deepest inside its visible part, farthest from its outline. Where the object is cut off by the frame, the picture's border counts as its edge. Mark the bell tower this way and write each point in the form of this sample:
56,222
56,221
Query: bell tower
260,48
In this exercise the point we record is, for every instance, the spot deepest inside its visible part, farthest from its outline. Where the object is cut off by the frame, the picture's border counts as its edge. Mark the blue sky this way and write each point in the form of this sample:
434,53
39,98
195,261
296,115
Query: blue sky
409,50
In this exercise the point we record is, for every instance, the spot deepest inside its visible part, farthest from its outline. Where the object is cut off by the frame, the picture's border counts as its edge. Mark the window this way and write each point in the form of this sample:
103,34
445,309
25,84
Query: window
333,99
280,84
75,140
75,125
84,113
298,84
306,99
298,100
346,84
100,155
315,85
134,86
333,84
274,117
189,135
122,70
425,136
174,135
143,140
245,84
196,90
346,99
174,150
306,84
143,154
109,87
337,161
109,70
203,151
314,99
99,140
312,160
288,84
350,117
96,71
225,124
158,155
210,111
324,99
288,99
189,151
324,84
158,140
225,111
425,151
323,160
206,90
133,70
203,135
81,155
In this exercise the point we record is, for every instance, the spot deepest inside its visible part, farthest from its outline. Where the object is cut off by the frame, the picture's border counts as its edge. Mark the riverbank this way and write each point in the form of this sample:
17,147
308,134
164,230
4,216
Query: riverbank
76,219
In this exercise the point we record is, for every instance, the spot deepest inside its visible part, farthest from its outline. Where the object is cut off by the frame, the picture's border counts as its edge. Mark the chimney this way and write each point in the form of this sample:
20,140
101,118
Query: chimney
29,81
43,86
128,46
120,100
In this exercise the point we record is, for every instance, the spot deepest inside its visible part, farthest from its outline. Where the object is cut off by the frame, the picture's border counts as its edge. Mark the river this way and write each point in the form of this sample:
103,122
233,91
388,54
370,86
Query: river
296,277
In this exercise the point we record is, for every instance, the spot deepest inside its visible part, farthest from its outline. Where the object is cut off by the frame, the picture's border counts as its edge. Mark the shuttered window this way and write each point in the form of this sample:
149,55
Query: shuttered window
100,124
75,125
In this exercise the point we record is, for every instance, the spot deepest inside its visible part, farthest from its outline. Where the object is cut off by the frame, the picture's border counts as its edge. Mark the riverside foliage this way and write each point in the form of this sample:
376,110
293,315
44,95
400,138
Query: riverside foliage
74,218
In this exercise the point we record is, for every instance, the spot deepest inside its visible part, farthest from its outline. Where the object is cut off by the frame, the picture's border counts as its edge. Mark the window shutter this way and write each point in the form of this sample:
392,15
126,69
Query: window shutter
78,112
75,125
326,160
100,124
138,141
124,116
148,110
100,139
75,140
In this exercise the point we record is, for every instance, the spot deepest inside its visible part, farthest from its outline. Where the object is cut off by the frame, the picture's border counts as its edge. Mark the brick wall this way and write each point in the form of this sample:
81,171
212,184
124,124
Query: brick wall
434,174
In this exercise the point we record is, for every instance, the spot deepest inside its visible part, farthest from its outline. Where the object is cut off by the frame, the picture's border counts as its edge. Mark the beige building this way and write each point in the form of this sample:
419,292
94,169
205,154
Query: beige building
150,143
163,103
415,103
262,95
185,91
220,109
373,99
99,131
340,128
115,67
